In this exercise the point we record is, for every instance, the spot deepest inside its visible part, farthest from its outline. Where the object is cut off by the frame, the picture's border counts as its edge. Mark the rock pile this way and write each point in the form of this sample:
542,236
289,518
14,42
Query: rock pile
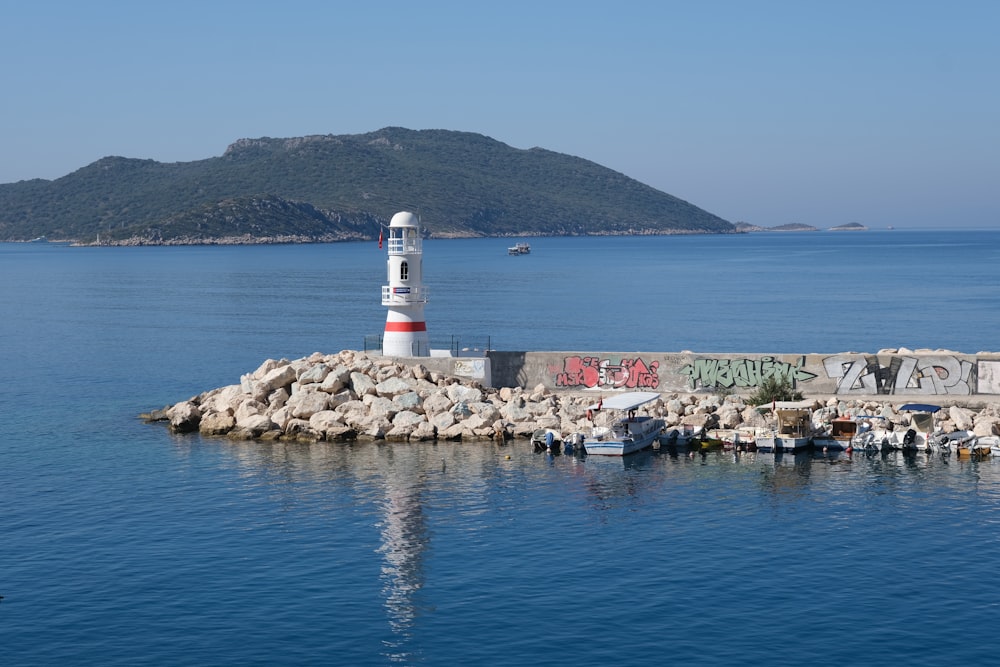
352,395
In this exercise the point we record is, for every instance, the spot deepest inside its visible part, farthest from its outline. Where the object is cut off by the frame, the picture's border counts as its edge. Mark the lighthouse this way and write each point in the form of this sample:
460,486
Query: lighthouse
405,296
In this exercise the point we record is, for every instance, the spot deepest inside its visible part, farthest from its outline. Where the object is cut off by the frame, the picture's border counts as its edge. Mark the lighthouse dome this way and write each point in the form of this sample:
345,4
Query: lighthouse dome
404,219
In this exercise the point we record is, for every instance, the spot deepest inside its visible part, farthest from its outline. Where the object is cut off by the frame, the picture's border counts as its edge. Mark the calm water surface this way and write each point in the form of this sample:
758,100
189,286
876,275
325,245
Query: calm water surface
125,545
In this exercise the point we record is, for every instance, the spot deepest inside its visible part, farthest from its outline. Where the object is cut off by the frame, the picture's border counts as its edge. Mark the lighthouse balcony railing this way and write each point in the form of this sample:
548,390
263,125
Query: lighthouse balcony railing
407,246
400,296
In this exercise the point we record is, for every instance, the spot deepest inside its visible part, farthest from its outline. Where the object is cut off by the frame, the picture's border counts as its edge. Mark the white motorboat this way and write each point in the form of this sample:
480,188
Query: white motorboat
959,442
920,433
680,436
573,443
987,445
792,431
870,434
917,434
627,432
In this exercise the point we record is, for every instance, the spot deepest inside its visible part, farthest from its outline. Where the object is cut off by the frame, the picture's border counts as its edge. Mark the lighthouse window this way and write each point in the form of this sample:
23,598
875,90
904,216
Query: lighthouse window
404,271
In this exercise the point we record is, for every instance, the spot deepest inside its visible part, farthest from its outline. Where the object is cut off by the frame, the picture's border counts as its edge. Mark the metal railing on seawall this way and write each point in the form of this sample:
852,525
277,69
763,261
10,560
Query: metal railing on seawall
458,346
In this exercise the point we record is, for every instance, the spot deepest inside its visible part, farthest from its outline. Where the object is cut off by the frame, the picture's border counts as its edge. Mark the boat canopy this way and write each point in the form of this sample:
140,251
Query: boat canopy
920,407
785,405
627,401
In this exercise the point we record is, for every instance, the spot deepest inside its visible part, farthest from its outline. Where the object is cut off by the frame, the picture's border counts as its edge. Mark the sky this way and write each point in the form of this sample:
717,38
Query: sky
885,113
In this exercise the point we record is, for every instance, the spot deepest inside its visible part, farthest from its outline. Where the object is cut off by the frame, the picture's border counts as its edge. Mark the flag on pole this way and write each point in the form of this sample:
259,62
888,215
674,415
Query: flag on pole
380,230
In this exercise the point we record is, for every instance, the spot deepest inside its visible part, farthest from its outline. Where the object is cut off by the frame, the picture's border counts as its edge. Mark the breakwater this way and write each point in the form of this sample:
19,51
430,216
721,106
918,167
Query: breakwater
353,395
932,375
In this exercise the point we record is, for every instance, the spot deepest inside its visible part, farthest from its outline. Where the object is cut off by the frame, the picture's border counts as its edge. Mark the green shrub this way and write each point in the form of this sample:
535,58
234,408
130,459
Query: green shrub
775,389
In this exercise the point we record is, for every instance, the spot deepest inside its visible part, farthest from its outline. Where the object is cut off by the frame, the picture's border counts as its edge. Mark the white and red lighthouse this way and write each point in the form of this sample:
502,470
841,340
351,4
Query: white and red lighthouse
405,296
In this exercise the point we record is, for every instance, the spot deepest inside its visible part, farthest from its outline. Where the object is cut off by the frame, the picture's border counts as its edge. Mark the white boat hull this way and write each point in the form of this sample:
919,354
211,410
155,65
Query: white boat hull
679,437
782,443
624,437
617,447
956,441
988,443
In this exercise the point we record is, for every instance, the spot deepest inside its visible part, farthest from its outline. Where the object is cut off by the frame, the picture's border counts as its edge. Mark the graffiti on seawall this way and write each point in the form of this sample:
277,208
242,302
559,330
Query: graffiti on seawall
472,368
853,373
735,373
988,376
901,374
580,371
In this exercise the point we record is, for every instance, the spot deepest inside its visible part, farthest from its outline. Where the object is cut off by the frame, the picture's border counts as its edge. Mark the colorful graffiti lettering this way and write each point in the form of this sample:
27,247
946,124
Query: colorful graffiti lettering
935,374
728,373
590,372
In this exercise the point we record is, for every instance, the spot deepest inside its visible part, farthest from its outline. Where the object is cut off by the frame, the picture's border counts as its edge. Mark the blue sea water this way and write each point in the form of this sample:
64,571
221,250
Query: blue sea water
125,545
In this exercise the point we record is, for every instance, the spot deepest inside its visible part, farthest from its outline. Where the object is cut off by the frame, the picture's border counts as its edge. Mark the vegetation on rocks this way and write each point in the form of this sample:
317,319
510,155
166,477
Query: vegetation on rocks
772,389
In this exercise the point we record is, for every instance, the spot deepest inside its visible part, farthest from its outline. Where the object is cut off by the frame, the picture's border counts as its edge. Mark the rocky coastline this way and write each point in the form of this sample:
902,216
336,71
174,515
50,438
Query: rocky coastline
352,395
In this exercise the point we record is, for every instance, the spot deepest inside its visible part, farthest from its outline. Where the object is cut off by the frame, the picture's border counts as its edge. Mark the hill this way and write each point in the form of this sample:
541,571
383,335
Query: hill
327,187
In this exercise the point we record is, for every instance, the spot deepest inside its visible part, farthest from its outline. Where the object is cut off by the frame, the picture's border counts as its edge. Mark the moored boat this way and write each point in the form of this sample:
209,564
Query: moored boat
838,436
920,431
573,443
870,433
960,442
988,445
792,430
627,432
917,434
682,435
546,439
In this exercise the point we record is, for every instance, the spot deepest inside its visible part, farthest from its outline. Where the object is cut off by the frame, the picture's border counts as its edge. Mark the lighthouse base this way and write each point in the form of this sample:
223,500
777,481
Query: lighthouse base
398,344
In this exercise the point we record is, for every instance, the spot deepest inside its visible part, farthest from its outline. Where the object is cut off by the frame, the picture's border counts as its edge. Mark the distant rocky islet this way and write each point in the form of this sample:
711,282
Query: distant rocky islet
746,227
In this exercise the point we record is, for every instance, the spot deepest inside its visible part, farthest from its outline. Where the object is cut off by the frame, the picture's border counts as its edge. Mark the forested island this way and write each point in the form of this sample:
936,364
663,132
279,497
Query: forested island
344,187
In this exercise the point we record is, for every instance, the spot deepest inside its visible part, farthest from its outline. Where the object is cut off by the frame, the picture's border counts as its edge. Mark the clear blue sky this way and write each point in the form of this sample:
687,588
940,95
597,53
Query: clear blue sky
770,112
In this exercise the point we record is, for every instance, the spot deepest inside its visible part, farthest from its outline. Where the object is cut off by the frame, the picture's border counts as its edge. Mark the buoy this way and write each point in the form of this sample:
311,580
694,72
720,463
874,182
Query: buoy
508,457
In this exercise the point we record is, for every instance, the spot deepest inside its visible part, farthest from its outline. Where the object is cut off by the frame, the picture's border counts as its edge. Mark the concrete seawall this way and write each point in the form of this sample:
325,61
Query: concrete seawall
928,374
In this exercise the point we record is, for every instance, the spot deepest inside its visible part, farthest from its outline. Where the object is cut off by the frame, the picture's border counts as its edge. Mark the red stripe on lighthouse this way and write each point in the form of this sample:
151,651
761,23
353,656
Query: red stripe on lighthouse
406,326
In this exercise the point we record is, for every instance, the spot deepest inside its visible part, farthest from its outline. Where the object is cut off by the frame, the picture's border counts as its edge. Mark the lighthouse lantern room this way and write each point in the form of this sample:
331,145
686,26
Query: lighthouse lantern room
405,296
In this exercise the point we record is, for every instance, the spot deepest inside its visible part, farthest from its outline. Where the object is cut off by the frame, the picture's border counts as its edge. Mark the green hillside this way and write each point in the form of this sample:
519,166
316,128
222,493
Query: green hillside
324,188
